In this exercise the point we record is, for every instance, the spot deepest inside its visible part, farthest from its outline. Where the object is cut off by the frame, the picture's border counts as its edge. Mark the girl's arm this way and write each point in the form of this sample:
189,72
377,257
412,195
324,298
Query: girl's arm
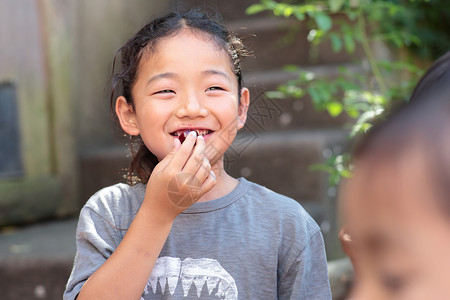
125,273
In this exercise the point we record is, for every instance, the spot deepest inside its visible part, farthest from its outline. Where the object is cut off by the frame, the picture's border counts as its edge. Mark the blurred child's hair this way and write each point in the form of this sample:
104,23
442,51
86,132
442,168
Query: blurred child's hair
422,122
143,161
435,79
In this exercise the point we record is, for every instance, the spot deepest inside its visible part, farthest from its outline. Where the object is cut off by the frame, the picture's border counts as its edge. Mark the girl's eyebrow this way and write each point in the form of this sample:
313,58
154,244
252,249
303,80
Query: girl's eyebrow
174,75
216,72
160,76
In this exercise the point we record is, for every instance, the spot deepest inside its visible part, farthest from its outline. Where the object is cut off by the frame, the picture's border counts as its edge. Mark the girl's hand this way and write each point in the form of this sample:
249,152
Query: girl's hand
181,178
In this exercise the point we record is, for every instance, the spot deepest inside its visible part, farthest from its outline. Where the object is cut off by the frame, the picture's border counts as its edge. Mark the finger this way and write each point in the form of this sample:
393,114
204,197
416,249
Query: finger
203,171
181,156
164,162
209,182
202,187
195,160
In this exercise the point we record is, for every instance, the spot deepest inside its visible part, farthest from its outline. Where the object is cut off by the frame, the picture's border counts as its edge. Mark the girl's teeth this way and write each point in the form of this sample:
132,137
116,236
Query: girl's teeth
182,135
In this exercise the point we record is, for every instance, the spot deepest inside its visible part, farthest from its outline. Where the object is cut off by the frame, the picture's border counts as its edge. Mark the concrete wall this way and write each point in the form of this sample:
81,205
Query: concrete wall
103,26
57,54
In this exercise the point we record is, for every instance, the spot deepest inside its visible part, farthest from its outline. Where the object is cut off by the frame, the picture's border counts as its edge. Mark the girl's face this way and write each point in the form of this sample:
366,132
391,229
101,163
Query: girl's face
185,82
400,234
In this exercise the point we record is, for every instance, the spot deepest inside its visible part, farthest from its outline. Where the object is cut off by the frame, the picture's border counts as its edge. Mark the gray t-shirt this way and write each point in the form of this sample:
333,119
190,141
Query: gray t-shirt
250,244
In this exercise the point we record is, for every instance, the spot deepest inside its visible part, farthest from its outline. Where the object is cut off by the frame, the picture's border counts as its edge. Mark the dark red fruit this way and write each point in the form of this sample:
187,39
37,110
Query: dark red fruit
183,136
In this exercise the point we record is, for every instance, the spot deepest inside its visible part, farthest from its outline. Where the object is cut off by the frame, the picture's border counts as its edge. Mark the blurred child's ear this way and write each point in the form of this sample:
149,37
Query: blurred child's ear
126,115
243,107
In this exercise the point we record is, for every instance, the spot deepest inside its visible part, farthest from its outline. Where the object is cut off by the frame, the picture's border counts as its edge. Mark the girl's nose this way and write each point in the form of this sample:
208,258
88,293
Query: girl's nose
191,107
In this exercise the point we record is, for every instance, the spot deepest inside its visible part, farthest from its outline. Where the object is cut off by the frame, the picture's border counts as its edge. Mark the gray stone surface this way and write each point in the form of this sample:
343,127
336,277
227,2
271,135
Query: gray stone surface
35,261
275,42
102,168
341,276
281,160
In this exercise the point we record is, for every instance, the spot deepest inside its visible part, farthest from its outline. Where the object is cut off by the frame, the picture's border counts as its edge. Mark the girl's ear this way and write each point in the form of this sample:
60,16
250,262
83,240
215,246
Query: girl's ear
127,117
243,107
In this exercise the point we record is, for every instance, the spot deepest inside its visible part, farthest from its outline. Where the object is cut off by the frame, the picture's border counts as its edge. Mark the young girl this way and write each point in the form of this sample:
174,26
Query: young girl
396,207
188,229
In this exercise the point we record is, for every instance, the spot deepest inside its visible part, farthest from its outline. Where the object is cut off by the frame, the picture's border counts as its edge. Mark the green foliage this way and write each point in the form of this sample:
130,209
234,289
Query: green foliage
366,93
428,21
337,166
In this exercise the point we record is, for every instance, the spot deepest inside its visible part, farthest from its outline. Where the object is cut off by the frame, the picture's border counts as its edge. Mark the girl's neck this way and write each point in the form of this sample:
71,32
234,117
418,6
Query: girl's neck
224,183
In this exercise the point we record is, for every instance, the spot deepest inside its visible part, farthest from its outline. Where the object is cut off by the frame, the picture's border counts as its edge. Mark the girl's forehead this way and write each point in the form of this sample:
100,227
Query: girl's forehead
188,45
189,36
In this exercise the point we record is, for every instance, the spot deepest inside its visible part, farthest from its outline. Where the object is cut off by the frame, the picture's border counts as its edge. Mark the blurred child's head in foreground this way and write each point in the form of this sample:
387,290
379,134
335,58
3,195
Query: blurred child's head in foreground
396,207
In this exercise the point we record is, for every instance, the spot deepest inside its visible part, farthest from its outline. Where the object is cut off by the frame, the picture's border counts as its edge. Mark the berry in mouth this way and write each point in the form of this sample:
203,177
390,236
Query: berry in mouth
182,135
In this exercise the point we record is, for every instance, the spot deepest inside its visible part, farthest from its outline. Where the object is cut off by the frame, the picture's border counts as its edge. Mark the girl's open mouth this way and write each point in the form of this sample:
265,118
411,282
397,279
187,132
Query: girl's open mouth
182,134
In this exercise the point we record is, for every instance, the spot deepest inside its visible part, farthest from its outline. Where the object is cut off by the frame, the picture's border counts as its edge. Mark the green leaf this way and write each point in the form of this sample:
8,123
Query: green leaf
275,95
288,11
334,108
314,95
352,112
291,68
323,21
295,91
269,3
255,8
320,167
346,173
299,13
336,42
349,43
335,5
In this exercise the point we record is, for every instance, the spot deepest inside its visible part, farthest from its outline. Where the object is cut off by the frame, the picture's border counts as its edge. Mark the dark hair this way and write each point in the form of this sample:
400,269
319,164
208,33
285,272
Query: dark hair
143,161
434,80
424,120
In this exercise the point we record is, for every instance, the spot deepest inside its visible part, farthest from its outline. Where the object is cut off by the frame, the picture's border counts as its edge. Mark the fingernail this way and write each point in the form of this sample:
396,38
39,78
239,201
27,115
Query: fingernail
193,133
200,137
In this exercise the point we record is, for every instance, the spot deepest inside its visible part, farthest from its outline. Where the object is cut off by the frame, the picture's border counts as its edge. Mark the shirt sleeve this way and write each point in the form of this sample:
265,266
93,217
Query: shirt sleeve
96,239
307,277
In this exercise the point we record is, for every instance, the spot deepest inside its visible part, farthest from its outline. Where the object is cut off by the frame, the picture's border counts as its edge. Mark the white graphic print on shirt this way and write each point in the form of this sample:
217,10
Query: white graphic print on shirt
170,270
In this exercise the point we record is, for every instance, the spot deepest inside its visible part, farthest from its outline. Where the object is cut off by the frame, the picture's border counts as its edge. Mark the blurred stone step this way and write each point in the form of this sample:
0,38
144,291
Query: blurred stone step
36,261
266,114
341,275
276,41
281,160
102,168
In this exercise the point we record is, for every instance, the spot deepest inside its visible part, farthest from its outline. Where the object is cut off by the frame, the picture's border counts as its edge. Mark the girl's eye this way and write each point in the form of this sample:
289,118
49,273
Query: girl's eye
215,88
164,92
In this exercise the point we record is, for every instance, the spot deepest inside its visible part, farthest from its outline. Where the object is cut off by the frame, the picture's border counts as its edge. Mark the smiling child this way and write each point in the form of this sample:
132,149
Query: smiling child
182,227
